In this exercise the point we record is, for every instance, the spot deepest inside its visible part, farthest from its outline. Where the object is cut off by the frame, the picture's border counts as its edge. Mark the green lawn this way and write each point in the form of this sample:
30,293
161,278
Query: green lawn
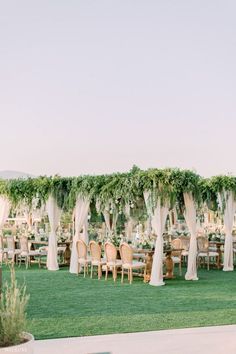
62,304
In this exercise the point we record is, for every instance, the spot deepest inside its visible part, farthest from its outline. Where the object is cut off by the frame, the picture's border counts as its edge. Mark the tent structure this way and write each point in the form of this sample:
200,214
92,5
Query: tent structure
157,191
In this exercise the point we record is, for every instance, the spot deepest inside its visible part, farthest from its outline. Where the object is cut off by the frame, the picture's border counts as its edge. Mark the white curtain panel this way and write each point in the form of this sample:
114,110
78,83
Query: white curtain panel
81,216
4,210
110,219
229,212
158,225
129,225
54,215
191,221
84,236
158,220
107,218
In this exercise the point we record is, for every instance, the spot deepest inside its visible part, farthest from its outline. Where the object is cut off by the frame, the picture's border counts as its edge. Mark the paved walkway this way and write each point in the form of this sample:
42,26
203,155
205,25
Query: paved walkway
206,340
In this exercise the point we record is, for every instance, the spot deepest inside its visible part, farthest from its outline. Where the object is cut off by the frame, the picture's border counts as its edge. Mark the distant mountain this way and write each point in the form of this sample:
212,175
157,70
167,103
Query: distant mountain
14,174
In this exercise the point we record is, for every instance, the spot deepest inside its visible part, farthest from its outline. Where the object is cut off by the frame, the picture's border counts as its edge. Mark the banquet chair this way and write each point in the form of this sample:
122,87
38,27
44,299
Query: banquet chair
26,253
204,252
83,259
3,251
111,260
128,263
177,255
185,243
12,251
96,258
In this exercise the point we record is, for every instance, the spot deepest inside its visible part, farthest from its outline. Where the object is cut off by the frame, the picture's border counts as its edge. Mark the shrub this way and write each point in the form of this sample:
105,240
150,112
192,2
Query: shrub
13,304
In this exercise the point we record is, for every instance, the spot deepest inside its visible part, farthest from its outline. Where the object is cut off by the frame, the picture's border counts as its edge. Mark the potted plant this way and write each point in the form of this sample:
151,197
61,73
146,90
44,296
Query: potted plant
13,302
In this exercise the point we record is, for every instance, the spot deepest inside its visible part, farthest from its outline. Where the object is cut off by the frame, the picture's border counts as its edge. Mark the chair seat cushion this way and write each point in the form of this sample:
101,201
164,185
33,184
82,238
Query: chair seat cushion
210,254
185,253
43,253
139,255
202,254
213,254
34,253
176,259
84,260
134,265
14,251
30,253
117,262
101,262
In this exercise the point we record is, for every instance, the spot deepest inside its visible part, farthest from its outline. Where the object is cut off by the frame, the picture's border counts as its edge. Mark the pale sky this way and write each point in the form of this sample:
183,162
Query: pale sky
97,86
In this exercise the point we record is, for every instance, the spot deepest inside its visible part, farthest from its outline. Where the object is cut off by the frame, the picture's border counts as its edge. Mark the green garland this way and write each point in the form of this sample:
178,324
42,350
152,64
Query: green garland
119,189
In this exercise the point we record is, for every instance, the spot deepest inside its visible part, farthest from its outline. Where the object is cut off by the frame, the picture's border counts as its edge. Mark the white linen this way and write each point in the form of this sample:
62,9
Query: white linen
81,216
190,215
54,215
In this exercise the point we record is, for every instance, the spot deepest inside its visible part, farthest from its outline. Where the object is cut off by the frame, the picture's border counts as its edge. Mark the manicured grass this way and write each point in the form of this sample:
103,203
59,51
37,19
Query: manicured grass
62,304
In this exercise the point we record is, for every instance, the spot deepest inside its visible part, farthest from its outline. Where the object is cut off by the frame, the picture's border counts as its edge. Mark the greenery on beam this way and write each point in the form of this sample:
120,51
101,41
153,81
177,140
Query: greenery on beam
118,189
212,187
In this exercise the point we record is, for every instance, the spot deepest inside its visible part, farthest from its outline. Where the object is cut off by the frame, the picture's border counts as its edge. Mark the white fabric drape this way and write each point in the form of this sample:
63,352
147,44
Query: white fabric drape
110,219
54,215
191,221
81,216
158,220
129,225
84,236
4,210
158,225
229,211
107,218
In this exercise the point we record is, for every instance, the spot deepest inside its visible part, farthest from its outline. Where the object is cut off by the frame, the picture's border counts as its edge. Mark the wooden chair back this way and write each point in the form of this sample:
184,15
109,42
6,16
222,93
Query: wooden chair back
176,244
185,242
24,246
82,249
110,251
10,243
95,251
202,244
126,253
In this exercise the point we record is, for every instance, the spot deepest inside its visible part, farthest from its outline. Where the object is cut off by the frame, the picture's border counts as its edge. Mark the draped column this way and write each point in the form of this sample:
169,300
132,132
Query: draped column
107,218
159,216
54,215
229,211
4,210
110,219
191,221
129,225
158,225
81,215
84,235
